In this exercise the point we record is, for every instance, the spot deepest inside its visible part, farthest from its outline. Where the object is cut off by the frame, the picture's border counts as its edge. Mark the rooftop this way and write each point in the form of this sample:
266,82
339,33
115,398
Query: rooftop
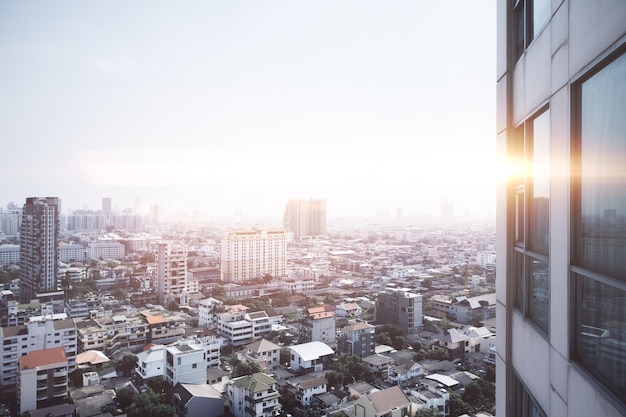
43,357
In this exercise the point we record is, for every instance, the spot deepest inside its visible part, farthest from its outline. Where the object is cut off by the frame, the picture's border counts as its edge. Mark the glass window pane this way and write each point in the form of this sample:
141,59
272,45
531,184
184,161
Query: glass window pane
539,293
602,229
601,332
519,216
519,281
541,15
518,17
540,203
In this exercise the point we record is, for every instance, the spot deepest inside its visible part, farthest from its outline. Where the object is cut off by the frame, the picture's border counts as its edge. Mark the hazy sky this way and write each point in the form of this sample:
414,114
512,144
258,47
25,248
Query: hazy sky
241,105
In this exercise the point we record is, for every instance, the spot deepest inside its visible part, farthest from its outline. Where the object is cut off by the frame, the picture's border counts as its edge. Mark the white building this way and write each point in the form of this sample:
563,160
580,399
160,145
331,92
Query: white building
185,363
309,357
320,325
72,252
35,335
105,250
208,309
254,395
307,386
42,378
251,254
561,269
9,255
241,328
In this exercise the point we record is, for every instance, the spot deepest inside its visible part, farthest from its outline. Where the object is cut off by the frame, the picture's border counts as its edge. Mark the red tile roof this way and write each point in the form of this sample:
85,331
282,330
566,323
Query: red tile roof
43,357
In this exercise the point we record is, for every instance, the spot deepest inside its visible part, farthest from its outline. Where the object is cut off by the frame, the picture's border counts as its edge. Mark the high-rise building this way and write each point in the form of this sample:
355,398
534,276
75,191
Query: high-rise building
106,205
305,218
251,254
561,225
171,261
39,237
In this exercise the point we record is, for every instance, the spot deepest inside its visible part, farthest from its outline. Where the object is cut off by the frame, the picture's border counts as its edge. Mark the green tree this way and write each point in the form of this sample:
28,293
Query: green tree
437,354
457,406
120,294
241,368
427,412
148,404
127,364
125,397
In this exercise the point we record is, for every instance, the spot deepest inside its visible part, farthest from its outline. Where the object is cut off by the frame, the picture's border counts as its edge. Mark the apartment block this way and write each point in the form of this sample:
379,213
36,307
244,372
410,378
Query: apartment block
38,334
357,340
42,379
319,325
251,254
401,307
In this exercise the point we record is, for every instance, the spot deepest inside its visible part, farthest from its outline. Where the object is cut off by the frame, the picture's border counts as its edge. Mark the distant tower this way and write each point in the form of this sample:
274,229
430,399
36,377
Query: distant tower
39,236
106,205
305,218
447,210
171,263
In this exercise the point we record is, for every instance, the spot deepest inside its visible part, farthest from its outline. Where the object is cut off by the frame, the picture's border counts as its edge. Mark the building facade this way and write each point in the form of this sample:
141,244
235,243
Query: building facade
39,238
400,307
561,225
171,272
251,254
43,379
41,334
253,395
357,340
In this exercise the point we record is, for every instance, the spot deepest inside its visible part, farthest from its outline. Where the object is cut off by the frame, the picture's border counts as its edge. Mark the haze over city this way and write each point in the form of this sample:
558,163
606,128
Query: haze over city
239,106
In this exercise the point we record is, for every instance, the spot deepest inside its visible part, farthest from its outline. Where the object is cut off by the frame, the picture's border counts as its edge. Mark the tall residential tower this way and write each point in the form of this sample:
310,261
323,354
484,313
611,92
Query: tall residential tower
39,237
306,218
561,225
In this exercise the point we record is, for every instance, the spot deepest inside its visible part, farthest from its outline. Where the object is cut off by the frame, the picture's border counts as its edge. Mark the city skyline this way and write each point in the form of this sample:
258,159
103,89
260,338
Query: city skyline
229,108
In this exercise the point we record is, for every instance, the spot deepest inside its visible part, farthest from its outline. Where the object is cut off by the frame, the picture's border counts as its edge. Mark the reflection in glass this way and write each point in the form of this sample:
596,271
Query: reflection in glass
539,293
602,232
519,281
601,332
541,14
540,202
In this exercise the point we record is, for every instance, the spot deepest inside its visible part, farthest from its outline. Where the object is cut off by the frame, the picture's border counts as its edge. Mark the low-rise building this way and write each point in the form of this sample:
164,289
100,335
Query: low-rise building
305,388
319,325
263,352
390,402
197,400
309,357
357,340
254,395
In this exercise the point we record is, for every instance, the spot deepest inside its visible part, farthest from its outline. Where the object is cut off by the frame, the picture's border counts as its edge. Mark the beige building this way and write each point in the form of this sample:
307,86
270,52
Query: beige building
251,254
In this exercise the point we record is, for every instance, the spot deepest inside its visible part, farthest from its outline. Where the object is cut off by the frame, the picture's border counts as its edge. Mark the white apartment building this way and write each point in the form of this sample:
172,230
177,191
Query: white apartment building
561,213
208,309
72,252
186,363
254,395
309,357
38,334
9,255
105,250
42,379
151,362
251,254
171,273
242,328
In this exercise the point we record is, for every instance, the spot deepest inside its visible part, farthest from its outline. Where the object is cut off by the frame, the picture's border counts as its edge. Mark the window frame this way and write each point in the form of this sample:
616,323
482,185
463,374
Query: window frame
522,251
577,272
